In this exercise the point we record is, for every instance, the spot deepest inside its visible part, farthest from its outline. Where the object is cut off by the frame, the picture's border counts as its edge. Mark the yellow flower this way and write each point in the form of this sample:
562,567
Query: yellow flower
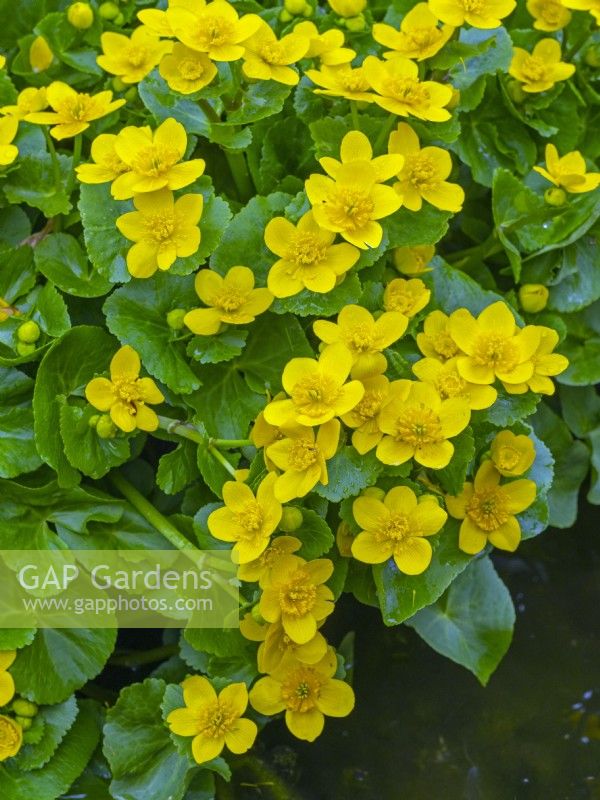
414,260
348,8
214,721
2,62
28,101
40,54
549,15
545,363
307,693
435,340
213,28
317,390
343,81
308,258
487,510
154,160
297,596
107,164
303,457
352,203
397,528
399,90
8,131
568,171
268,58
343,539
593,6
363,336
419,424
158,21
132,58
364,417
162,228
478,13
261,568
126,396
7,684
355,148
493,345
423,176
277,646
512,455
533,297
232,300
419,36
11,737
449,383
185,70
541,69
72,111
245,519
328,46
407,296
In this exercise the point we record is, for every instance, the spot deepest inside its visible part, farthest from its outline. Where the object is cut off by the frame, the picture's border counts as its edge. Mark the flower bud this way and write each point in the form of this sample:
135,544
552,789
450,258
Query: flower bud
356,24
348,8
80,15
291,519
93,420
175,318
344,538
29,332
119,19
119,85
555,196
373,491
256,615
40,54
294,7
533,297
592,56
454,100
24,708
308,10
106,428
285,16
24,349
516,92
109,10
24,722
131,94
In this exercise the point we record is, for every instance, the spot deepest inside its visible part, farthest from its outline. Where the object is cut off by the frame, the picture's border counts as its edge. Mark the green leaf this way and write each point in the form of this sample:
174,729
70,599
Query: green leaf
214,349
18,452
17,275
60,258
315,535
407,228
85,450
260,100
472,624
49,310
349,472
455,289
213,472
452,477
105,245
137,315
137,744
225,642
33,183
509,408
57,720
584,361
224,387
15,638
177,469
400,596
73,361
60,661
495,56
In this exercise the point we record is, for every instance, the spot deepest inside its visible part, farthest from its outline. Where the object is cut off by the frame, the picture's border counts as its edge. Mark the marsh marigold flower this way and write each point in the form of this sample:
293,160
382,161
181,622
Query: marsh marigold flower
246,519
512,455
7,684
355,148
342,81
478,13
302,458
308,257
261,568
328,46
593,6
278,646
107,164
214,721
414,260
297,595
363,336
488,509
132,58
306,692
419,424
364,417
162,228
435,341
400,91
493,345
569,172
268,58
545,362
126,396
423,175
8,131
213,28
185,70
40,55
548,15
541,69
232,300
72,111
419,36
28,101
396,528
158,21
448,382
11,737
407,296
317,389
154,160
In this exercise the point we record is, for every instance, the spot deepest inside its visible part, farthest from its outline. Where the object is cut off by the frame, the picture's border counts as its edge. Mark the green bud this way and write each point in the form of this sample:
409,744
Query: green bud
373,491
256,615
105,427
131,94
555,196
119,85
592,57
308,10
356,24
24,722
80,16
294,7
516,93
93,420
291,519
109,10
24,708
285,16
29,332
175,318
119,19
24,349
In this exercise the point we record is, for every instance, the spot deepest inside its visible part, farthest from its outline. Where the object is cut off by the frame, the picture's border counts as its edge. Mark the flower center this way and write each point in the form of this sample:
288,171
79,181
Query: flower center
397,529
423,37
354,81
360,338
301,689
273,53
160,227
155,160
498,352
216,719
307,250
408,90
401,298
214,32
350,209
112,162
552,12
444,345
298,596
190,69
533,68
473,6
419,426
136,56
127,390
369,406
315,394
303,454
230,299
77,108
251,518
488,509
451,385
421,171
508,458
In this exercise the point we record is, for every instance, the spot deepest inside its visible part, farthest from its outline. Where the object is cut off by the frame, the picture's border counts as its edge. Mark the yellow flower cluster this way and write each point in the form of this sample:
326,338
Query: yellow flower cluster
11,732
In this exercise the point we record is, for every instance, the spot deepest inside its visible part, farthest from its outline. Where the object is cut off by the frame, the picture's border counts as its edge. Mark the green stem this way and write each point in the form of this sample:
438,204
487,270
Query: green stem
222,460
209,110
354,112
55,162
75,161
183,429
150,514
240,173
230,444
141,658
384,133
